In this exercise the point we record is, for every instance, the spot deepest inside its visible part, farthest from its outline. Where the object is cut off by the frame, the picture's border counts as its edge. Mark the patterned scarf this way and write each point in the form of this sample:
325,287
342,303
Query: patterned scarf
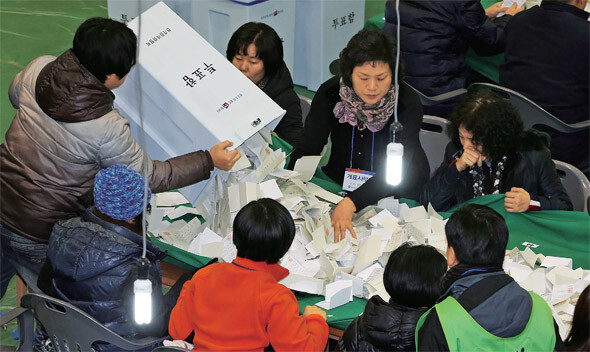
353,110
480,177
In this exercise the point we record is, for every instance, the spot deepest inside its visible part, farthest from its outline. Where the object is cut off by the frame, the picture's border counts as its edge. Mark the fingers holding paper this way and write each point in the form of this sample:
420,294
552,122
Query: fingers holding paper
341,219
222,158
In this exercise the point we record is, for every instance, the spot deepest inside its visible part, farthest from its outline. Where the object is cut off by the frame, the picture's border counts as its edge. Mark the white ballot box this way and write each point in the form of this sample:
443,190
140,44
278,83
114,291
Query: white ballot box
217,20
126,10
189,95
323,28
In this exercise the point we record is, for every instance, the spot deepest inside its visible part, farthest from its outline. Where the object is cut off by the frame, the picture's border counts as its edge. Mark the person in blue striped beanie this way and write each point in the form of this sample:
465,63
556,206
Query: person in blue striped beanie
92,259
119,192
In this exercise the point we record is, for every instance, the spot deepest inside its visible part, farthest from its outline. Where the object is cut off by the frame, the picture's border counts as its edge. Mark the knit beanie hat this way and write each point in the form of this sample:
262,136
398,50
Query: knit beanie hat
118,192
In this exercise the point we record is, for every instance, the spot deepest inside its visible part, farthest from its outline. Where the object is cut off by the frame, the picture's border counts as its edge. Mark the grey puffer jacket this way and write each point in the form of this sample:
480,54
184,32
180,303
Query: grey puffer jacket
382,327
66,130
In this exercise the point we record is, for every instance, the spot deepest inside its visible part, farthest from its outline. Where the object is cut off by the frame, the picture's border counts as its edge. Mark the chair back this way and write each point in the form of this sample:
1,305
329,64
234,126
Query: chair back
531,113
575,183
305,106
434,140
72,329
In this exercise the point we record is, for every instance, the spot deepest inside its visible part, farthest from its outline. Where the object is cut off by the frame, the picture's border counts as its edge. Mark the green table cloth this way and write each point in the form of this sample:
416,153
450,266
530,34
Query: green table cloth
558,233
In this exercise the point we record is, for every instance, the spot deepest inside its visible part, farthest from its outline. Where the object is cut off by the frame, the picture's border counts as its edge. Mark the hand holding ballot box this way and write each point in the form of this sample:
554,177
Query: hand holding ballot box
189,96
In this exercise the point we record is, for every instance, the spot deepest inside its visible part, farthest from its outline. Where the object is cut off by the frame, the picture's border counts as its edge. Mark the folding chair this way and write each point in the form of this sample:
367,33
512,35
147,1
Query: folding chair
72,329
305,106
434,139
25,327
575,183
453,95
531,113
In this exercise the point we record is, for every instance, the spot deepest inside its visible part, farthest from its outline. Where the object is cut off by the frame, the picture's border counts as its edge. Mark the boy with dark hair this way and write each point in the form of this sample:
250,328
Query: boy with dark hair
412,280
482,308
240,305
64,132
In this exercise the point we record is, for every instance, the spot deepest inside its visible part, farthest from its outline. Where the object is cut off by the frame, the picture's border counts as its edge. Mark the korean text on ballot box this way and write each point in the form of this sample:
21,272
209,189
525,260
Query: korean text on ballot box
189,95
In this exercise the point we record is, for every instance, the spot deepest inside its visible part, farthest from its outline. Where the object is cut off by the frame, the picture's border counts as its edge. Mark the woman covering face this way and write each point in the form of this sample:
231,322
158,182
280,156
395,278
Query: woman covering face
355,110
257,51
490,153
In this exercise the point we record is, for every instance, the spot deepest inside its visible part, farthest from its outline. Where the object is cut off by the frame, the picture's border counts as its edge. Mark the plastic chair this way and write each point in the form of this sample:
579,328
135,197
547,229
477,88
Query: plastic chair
575,183
25,327
434,139
531,113
305,106
453,95
72,329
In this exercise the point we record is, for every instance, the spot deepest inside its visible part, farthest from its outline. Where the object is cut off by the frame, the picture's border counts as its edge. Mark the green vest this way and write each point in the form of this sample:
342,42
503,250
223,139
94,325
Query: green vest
463,333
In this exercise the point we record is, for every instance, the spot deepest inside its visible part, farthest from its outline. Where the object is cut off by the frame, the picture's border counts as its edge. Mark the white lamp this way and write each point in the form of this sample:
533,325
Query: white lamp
142,288
395,153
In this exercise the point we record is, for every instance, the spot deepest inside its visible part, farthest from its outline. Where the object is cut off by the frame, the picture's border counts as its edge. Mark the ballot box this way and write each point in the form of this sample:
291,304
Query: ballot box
217,20
322,30
126,10
188,95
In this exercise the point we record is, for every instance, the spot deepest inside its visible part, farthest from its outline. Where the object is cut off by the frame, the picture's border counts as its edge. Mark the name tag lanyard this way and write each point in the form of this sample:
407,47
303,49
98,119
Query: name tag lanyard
352,147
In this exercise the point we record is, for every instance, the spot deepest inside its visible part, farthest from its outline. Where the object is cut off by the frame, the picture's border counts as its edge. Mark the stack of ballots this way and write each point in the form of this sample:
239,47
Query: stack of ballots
189,96
551,278
317,265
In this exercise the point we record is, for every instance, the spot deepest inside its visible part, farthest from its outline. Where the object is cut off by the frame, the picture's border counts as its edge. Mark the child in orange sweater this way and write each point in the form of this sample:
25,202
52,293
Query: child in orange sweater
241,305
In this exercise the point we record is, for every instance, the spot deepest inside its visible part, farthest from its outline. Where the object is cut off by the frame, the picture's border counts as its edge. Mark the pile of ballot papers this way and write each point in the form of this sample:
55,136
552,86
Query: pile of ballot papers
317,265
551,278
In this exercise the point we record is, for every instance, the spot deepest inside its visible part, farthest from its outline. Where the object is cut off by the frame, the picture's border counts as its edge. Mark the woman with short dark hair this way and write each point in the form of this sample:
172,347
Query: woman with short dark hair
356,111
490,153
257,51
412,279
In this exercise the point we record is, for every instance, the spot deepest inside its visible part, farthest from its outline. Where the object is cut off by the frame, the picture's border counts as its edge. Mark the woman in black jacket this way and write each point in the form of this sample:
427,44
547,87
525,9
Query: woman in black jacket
412,278
356,110
490,153
257,51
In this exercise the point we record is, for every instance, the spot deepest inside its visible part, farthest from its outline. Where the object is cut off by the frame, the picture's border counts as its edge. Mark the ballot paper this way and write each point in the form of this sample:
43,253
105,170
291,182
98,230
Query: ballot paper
338,293
529,257
368,253
207,244
269,189
242,162
357,283
413,214
306,166
303,284
551,261
170,199
391,204
180,211
384,218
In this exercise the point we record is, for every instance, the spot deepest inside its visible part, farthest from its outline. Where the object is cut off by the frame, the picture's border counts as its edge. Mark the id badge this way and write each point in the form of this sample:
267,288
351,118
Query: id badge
354,178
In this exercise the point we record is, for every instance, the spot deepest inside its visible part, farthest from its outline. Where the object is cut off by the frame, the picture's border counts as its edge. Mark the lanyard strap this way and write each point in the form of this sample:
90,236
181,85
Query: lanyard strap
352,148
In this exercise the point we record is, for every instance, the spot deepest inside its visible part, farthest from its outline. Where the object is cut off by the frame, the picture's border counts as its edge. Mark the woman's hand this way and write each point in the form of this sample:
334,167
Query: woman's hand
223,159
494,10
514,9
469,158
517,200
341,219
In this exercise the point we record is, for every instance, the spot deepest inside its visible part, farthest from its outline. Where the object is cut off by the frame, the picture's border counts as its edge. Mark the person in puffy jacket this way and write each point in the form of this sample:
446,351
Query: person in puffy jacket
92,259
435,36
412,278
65,131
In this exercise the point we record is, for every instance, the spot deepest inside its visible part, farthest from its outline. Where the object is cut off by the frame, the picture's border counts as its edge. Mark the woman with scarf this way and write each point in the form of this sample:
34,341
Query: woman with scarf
356,110
490,153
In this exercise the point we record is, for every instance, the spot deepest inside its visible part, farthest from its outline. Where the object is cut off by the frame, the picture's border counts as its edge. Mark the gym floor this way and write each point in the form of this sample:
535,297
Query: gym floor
29,29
